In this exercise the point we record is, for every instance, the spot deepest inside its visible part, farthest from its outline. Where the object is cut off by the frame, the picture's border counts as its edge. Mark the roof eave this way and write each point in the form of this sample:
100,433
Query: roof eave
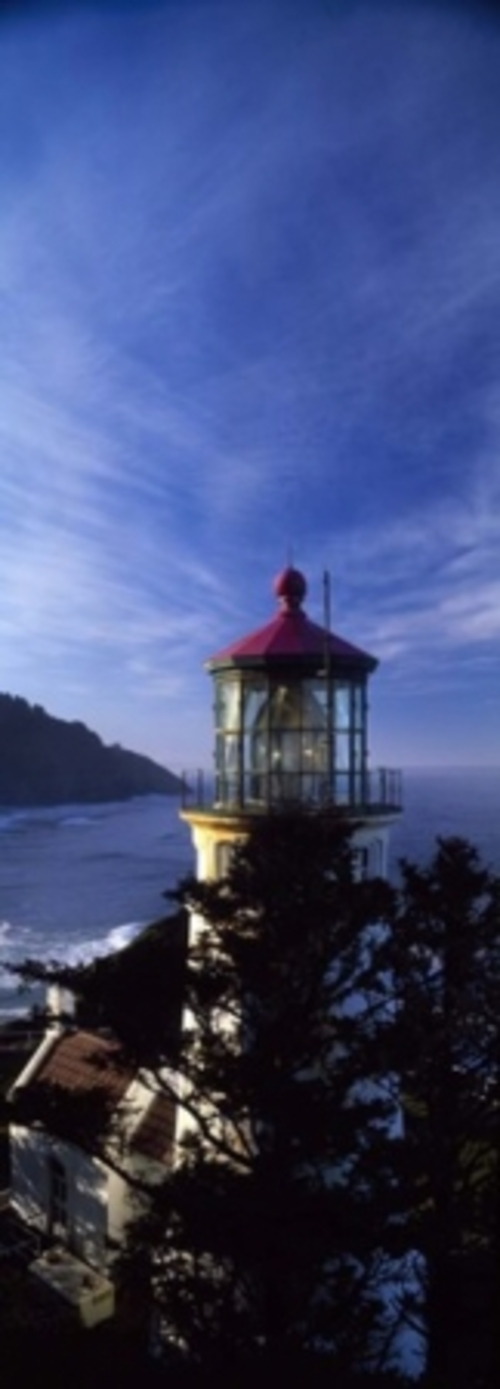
307,663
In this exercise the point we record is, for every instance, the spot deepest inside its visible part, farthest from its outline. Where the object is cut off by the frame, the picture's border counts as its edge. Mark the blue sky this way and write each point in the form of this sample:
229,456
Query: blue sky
249,307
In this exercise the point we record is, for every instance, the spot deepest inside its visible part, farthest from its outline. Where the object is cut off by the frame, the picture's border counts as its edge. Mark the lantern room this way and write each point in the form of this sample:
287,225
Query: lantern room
290,713
291,732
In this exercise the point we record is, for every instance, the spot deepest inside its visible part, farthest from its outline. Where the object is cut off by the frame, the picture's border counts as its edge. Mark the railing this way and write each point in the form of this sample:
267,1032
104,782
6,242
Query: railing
377,792
385,789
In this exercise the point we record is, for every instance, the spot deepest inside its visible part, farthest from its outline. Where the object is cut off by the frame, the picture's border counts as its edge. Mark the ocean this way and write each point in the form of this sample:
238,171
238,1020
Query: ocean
80,881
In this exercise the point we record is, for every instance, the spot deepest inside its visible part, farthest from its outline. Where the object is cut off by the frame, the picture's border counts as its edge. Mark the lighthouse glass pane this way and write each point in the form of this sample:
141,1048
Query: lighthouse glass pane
228,704
358,705
285,752
315,781
316,693
342,706
286,747
342,752
255,694
284,770
285,707
231,752
341,788
228,771
254,768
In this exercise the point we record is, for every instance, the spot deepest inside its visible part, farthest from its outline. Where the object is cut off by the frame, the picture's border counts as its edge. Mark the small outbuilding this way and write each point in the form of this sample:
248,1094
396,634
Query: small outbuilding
88,1136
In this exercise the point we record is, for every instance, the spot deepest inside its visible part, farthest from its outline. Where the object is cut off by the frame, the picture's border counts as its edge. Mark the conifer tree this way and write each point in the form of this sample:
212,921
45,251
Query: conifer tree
446,964
270,1235
339,1066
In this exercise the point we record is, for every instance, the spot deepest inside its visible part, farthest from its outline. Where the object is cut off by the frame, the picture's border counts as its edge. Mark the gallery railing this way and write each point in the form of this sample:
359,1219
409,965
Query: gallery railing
377,792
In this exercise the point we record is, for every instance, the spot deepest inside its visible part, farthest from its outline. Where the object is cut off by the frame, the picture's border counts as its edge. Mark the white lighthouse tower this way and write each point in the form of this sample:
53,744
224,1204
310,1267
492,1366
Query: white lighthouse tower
291,731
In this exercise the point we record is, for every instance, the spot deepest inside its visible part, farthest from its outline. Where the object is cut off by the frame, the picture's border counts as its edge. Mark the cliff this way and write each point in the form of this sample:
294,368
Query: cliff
47,761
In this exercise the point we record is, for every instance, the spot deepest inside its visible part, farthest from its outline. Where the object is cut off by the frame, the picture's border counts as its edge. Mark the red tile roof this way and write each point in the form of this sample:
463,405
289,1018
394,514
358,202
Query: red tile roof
154,1135
82,1061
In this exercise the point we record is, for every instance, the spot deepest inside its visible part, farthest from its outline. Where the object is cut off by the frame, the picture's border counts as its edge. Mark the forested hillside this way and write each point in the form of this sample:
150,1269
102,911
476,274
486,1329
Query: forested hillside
48,761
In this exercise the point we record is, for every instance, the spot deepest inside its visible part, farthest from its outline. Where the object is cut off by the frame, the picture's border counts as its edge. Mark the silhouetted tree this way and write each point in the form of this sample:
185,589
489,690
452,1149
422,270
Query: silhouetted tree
269,1238
338,1066
446,961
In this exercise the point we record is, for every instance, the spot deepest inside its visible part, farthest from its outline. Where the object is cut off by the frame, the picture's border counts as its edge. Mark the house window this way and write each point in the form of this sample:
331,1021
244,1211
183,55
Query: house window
58,1198
360,863
223,856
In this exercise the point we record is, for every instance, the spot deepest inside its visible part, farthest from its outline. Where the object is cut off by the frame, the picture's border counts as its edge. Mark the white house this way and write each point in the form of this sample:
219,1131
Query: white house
77,1198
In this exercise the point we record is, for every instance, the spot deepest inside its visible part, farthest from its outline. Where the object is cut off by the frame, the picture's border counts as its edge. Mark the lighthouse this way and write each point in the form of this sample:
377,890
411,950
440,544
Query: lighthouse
291,733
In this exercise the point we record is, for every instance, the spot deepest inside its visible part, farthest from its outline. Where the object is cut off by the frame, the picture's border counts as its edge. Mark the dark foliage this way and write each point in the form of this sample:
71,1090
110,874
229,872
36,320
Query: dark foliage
268,1239
80,1118
135,992
341,1082
447,973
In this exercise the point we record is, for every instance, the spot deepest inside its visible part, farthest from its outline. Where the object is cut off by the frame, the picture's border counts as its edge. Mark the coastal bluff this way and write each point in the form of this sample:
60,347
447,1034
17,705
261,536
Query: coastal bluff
49,761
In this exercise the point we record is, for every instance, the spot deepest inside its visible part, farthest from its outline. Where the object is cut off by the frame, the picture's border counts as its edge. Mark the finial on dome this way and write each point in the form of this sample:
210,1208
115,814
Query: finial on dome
290,588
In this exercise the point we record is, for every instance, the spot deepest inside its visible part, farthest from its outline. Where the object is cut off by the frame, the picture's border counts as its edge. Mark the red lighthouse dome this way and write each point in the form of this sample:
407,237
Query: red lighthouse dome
291,637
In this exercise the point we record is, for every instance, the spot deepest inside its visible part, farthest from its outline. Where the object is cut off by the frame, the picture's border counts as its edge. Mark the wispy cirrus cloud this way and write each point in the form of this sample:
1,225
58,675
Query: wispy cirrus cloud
249,295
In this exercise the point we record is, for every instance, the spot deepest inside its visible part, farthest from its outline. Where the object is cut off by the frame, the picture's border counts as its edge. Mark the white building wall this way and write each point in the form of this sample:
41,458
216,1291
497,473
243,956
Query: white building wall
127,1200
372,839
31,1151
123,1208
213,845
100,1202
